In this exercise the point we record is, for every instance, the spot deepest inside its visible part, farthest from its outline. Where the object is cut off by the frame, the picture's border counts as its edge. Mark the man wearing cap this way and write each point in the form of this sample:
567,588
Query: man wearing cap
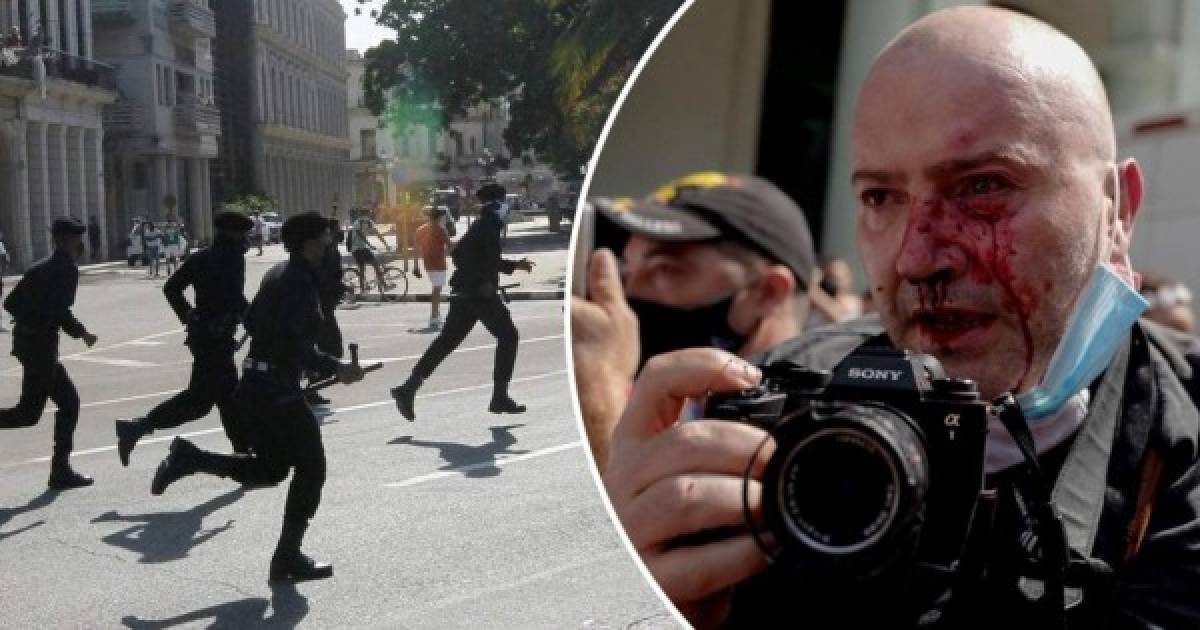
41,304
710,260
475,283
217,275
284,321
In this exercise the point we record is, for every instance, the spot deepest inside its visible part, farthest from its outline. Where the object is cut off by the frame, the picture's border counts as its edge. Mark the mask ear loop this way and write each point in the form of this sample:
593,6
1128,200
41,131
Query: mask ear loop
771,556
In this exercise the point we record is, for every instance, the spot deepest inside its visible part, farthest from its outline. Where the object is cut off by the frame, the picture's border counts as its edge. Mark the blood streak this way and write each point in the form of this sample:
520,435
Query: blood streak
995,219
982,230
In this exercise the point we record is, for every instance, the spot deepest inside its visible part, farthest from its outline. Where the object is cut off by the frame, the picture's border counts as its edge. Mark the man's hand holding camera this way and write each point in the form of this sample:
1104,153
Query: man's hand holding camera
670,480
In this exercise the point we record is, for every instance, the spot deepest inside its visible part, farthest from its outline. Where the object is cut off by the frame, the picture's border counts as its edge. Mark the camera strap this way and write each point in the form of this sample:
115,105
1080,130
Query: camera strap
1050,591
1068,513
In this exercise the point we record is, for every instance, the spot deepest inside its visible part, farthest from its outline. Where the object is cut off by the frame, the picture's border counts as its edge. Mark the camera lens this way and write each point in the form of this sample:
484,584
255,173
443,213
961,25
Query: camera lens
849,486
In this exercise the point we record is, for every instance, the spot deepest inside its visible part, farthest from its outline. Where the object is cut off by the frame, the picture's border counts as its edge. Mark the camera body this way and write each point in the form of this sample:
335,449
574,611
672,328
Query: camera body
878,465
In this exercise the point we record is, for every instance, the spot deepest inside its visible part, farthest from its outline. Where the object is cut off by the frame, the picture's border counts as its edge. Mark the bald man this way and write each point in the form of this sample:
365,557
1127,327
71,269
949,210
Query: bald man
989,194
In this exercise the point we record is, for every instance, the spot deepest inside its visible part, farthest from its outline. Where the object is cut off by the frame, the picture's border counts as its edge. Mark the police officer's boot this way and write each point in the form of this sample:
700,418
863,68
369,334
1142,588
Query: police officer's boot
501,403
62,476
289,563
128,434
406,395
181,461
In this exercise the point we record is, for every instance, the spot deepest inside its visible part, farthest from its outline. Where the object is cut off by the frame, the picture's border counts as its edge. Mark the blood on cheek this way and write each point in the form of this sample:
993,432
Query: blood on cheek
981,229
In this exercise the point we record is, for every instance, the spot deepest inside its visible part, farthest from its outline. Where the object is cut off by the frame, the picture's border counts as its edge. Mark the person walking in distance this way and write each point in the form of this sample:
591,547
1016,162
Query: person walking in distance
217,276
476,282
151,244
433,243
41,304
284,321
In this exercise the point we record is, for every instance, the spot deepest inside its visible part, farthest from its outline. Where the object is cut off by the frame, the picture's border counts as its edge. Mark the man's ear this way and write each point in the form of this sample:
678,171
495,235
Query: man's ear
1132,190
778,286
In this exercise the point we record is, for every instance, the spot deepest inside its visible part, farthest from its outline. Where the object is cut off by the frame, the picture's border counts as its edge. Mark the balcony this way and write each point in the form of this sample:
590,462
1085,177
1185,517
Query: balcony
113,11
68,67
192,20
124,119
193,118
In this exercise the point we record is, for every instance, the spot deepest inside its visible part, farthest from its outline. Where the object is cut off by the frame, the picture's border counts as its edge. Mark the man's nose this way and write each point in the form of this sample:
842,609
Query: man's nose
931,247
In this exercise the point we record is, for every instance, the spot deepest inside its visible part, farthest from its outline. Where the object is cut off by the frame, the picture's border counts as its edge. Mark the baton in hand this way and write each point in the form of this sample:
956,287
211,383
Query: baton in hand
333,380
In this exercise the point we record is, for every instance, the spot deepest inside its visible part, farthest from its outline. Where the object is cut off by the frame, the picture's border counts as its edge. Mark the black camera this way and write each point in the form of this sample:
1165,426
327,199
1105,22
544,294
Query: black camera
878,465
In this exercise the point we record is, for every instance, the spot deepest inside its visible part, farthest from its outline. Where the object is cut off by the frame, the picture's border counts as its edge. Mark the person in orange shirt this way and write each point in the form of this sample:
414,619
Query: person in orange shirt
433,243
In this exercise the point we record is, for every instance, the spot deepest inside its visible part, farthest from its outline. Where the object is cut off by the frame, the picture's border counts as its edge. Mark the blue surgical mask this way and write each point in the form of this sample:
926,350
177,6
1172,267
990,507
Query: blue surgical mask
502,212
1102,317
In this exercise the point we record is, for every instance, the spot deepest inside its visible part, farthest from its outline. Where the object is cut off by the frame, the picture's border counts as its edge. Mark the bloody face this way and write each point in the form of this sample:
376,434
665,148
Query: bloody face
979,206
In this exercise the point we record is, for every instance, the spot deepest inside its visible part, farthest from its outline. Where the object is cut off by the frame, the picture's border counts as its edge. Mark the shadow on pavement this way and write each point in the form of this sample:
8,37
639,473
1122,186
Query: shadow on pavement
167,536
40,501
472,461
286,608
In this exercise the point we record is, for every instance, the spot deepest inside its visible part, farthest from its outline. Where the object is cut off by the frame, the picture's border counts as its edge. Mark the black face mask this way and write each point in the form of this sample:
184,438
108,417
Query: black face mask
664,328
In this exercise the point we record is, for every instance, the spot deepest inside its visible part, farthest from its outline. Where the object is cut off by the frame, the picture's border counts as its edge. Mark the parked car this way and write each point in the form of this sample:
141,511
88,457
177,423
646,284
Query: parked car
272,227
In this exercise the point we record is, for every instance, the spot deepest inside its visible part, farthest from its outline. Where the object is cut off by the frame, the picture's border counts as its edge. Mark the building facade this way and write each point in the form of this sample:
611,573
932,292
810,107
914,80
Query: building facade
161,133
387,158
51,136
281,86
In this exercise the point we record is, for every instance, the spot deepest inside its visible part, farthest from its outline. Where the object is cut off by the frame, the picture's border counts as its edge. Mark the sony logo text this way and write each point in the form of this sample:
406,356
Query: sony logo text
872,374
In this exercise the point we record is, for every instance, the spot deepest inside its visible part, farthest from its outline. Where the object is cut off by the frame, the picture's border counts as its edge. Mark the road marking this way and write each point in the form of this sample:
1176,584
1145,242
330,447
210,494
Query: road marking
379,403
471,349
493,463
129,363
103,348
577,563
147,343
417,322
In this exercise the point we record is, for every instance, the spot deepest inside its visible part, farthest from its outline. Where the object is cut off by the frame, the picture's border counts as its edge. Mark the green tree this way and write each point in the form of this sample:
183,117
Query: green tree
559,63
254,203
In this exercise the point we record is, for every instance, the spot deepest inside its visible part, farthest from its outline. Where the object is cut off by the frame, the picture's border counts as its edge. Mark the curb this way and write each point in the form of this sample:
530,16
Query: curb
514,296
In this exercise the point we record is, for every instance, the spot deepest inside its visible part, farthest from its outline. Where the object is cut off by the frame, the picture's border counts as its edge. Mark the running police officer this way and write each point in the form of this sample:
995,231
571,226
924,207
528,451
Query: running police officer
283,321
41,304
217,275
475,283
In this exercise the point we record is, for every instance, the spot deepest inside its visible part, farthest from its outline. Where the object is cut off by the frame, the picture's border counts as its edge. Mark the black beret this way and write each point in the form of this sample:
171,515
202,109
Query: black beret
233,221
67,225
491,192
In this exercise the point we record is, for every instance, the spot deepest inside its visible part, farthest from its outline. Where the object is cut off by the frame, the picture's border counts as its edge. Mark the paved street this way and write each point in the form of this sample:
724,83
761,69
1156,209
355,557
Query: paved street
461,519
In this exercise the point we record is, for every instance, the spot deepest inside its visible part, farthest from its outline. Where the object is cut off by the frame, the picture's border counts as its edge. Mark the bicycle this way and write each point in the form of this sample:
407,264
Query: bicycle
393,276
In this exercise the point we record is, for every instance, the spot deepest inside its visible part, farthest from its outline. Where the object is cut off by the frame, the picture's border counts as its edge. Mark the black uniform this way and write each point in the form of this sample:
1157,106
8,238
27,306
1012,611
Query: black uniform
475,283
41,303
217,275
284,321
331,289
